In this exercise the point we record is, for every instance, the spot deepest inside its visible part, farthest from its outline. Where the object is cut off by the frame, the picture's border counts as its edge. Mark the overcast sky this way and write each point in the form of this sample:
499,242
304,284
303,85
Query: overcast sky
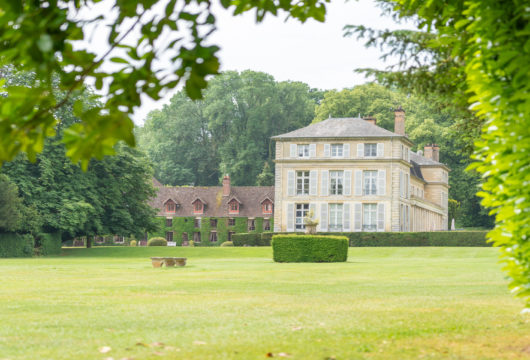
314,53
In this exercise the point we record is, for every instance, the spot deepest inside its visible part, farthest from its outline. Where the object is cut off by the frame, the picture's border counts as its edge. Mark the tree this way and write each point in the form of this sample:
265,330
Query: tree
228,132
266,178
10,205
39,36
476,53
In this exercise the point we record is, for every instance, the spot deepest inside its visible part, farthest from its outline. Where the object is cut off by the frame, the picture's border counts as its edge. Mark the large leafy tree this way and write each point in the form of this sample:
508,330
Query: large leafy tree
475,53
43,37
228,132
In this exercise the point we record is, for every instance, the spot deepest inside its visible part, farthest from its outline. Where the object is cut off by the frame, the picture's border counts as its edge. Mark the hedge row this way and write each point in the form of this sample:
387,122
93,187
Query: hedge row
49,244
16,245
252,239
362,239
309,248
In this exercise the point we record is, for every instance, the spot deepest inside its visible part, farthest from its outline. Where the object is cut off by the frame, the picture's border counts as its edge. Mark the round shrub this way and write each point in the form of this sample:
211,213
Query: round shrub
191,243
309,248
157,241
132,243
227,243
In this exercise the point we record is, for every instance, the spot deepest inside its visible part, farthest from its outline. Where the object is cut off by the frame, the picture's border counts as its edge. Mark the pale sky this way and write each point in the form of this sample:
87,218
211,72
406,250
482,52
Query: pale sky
314,53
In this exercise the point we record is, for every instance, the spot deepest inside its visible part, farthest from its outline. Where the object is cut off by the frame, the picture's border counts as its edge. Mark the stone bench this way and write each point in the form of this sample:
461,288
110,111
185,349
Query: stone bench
168,261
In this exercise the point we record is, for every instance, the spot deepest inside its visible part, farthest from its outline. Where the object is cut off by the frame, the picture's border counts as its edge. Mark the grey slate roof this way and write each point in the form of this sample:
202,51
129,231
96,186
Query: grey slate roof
216,205
422,160
340,128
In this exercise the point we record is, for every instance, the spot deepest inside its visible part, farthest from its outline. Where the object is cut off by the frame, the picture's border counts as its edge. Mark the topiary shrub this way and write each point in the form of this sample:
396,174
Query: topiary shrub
157,241
132,243
309,248
227,243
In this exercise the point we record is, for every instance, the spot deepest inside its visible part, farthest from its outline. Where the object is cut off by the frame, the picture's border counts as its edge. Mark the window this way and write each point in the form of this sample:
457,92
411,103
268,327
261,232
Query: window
197,223
336,182
170,206
233,207
185,241
335,217
337,150
213,236
370,182
169,222
198,207
231,222
303,150
251,225
266,224
266,207
301,213
213,223
302,183
197,237
230,233
169,236
369,217
370,150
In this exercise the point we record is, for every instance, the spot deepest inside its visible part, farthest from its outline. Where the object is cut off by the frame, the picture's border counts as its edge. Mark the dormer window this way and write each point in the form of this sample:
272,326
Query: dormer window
233,207
171,207
266,207
198,206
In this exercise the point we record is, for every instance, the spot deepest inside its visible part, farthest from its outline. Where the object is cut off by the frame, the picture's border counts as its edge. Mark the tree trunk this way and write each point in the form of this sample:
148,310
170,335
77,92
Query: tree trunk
88,242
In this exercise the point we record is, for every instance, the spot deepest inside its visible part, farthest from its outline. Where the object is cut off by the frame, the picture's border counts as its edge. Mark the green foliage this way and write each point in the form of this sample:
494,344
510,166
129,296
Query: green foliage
241,225
11,207
39,37
157,241
228,132
227,243
49,243
252,239
476,53
16,245
132,243
309,248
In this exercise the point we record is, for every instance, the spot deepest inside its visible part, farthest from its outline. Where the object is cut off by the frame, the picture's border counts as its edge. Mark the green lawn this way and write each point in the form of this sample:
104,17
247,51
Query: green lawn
235,303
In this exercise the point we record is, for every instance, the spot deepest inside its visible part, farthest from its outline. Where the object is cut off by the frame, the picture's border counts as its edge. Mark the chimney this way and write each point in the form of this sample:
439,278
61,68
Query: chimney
427,151
370,119
226,185
436,152
399,121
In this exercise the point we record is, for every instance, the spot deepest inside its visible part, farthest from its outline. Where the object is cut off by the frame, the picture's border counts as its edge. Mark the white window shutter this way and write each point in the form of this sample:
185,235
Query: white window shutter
327,151
324,217
381,217
290,183
312,150
313,182
358,217
346,219
290,217
380,149
400,183
360,150
324,187
381,182
293,150
346,151
358,183
407,186
347,182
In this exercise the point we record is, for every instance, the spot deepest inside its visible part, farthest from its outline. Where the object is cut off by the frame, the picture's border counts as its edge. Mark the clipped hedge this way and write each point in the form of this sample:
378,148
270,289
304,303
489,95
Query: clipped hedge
227,244
434,238
309,248
252,239
16,245
49,243
157,241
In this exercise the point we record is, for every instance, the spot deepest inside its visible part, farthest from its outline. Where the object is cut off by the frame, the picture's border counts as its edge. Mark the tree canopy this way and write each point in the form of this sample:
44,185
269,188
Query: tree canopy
475,53
46,37
228,132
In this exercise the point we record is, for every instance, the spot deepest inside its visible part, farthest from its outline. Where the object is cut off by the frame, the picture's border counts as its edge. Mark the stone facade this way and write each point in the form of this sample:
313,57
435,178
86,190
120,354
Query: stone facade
356,176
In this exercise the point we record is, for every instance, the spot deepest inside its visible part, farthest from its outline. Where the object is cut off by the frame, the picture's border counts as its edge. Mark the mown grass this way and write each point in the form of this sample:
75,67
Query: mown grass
235,303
